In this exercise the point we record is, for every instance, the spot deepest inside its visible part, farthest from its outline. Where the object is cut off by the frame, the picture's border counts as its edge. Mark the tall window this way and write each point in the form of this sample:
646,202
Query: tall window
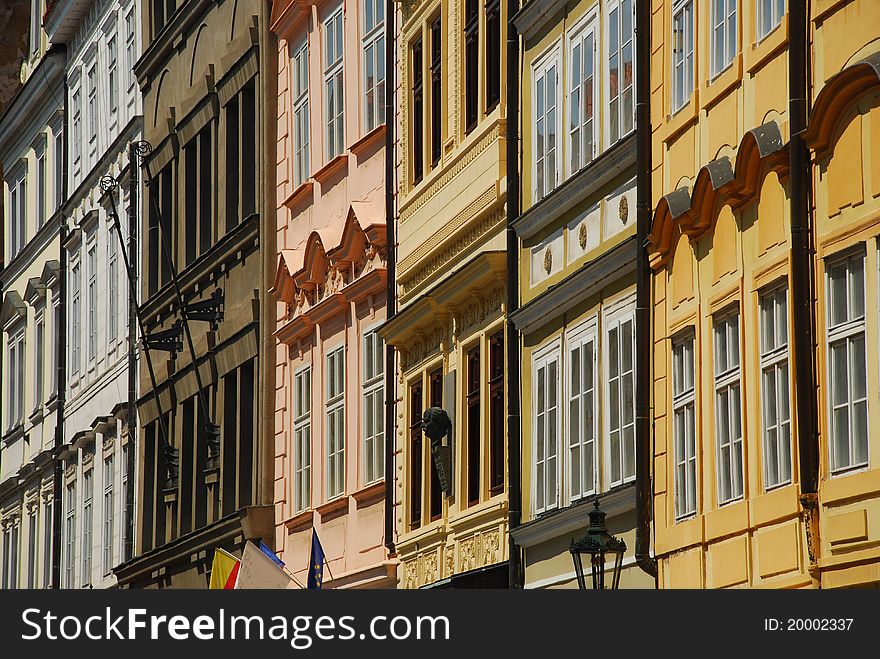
47,543
684,426
496,413
35,31
16,366
474,423
847,364
76,122
39,357
112,287
621,400
10,556
546,392
621,41
302,439
53,351
92,87
92,255
582,416
129,48
32,547
775,387
69,534
41,188
435,393
124,552
415,455
581,133
301,115
163,10
770,13
418,105
88,491
723,34
373,408
335,422
493,53
436,92
728,416
199,194
374,64
471,63
682,52
333,86
241,162
544,104
112,84
107,507
58,155
75,315
18,213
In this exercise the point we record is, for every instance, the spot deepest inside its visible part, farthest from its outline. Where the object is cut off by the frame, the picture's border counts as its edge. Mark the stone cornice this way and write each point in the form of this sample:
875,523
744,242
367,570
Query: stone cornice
535,15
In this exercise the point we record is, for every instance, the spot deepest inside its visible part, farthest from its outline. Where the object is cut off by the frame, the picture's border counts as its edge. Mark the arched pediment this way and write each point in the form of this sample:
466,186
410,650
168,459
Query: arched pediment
13,309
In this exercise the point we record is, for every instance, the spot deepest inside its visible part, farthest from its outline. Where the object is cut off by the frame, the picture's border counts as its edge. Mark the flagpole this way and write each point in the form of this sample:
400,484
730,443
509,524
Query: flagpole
295,580
327,563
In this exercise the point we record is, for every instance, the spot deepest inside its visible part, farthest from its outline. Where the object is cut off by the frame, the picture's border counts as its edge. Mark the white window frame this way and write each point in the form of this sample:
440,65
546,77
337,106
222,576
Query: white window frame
847,332
578,339
39,355
16,378
18,211
107,507
87,522
300,87
70,534
541,67
76,126
47,542
302,438
11,549
334,113
58,155
723,39
775,385
373,404
112,74
33,511
130,46
727,360
112,288
92,91
75,317
684,405
682,54
542,359
374,54
773,10
576,134
123,496
92,297
335,416
616,316
618,5
41,187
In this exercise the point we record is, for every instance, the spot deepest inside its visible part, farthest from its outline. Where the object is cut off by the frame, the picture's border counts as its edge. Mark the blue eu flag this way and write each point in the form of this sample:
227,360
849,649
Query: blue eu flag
316,563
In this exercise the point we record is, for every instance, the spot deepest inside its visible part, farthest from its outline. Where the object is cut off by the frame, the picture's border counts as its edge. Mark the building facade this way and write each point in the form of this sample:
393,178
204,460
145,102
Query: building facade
103,118
449,328
764,248
204,471
331,290
31,156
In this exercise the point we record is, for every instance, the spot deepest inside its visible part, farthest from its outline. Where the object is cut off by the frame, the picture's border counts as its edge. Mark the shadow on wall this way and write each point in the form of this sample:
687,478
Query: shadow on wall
14,19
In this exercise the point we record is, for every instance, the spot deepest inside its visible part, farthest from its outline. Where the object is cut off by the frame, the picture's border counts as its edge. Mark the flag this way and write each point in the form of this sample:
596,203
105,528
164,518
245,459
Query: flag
260,571
271,554
316,563
224,570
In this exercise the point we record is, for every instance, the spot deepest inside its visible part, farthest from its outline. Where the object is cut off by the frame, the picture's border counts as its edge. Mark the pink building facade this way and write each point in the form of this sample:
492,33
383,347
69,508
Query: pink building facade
330,287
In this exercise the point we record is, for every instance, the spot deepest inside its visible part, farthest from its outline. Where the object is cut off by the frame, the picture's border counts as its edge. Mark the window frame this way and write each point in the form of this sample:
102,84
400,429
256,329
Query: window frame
775,357
762,31
15,352
301,132
92,298
87,524
542,358
683,399
725,381
302,438
615,318
727,26
107,510
373,389
334,74
680,8
606,70
335,406
541,66
588,26
373,37
587,333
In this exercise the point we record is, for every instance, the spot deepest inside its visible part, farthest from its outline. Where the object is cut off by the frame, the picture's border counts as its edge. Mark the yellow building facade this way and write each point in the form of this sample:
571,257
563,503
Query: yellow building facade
765,399
449,328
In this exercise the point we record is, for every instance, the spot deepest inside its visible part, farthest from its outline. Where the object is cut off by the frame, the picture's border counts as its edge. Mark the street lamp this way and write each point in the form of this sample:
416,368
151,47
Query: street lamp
598,543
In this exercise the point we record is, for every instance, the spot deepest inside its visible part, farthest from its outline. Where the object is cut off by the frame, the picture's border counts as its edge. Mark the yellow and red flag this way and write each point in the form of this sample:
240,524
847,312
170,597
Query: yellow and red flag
224,570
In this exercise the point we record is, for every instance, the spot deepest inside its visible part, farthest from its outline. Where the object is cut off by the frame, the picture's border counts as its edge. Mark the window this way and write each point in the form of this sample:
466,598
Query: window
112,287
582,416
544,104
32,547
199,193
36,30
684,426
124,551
41,188
728,416
10,556
471,63
847,365
621,40
493,53
129,48
69,534
682,53
15,409
112,85
161,205
47,543
374,404
301,115
770,14
723,34
18,213
56,330
92,87
436,92
415,455
92,255
474,422
374,64
775,387
39,357
418,105
581,133
435,393
58,155
108,513
335,422
302,440
162,12
241,162
333,86
88,491
77,128
496,413
546,395
620,400
75,311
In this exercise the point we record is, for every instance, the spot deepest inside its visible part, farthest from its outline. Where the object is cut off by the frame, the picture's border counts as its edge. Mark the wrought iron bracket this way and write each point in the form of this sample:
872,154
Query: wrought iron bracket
210,310
168,340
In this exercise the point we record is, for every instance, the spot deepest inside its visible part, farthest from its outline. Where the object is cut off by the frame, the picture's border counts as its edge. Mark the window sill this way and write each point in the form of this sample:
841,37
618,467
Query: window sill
13,433
36,415
331,169
301,521
302,195
722,84
333,508
681,119
761,52
369,142
370,493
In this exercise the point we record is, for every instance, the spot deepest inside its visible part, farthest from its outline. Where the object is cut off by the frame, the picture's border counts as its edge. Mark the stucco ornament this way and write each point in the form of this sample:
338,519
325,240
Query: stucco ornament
582,235
623,210
548,260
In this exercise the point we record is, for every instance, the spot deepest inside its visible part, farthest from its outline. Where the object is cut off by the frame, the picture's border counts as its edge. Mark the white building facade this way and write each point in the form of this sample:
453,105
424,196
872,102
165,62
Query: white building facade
102,38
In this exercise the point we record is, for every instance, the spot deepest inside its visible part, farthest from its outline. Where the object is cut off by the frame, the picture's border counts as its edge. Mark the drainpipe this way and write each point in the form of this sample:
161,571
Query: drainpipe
131,413
391,292
513,360
802,288
644,494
